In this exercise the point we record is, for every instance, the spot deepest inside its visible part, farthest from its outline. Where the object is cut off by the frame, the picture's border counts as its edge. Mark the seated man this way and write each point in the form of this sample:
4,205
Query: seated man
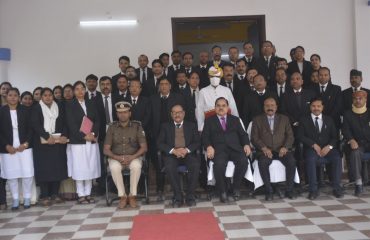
179,140
272,136
225,140
319,136
124,145
356,131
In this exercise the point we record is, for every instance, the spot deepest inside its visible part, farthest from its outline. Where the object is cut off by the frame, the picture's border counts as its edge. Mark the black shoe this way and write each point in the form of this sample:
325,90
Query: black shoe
236,195
269,196
313,195
177,204
359,189
160,197
338,193
15,208
191,203
223,197
280,193
290,195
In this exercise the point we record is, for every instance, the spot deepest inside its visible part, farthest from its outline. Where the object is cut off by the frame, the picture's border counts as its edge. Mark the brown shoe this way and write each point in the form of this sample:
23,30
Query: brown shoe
132,201
123,202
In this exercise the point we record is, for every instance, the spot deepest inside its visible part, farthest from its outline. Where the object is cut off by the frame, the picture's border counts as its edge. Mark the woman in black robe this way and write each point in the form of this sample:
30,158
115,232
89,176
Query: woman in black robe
49,153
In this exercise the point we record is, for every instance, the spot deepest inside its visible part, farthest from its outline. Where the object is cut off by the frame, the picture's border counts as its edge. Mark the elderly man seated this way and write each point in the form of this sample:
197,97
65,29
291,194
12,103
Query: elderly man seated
179,141
124,145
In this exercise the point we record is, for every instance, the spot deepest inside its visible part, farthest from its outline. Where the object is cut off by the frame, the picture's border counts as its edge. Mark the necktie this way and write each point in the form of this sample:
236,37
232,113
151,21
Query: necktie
249,60
193,97
106,108
176,68
241,77
144,76
322,89
260,93
356,89
92,95
178,125
267,61
133,102
271,123
317,124
281,91
223,123
164,97
187,71
229,85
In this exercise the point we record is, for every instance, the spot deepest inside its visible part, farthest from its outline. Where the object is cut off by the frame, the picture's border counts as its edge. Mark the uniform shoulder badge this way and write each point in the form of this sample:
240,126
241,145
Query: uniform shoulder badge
137,122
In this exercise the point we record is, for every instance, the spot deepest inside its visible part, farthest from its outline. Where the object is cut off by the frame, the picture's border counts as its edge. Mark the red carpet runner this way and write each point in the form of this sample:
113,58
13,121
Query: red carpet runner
176,226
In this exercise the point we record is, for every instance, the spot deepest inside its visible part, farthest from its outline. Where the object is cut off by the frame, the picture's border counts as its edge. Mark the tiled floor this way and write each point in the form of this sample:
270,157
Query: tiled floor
324,218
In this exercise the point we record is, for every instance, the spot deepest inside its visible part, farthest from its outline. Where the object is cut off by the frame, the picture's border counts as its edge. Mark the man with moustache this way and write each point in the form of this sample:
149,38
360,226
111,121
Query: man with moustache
216,57
130,73
233,55
202,69
165,59
123,63
355,81
272,136
209,94
249,57
281,86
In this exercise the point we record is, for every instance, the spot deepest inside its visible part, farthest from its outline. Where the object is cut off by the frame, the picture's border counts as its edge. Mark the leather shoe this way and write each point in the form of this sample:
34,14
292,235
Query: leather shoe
290,195
176,204
269,196
236,195
359,189
338,193
132,201
280,193
122,202
223,197
313,195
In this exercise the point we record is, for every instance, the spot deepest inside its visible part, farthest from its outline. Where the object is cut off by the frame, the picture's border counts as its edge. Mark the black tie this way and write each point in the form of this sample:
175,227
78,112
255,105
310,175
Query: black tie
322,89
178,125
281,91
193,97
92,95
241,78
133,102
229,85
261,93
187,71
356,89
317,124
267,61
144,76
106,108
164,97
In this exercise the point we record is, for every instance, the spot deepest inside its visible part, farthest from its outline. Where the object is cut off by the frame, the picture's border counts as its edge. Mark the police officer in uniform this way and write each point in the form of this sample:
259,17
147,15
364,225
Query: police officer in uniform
125,145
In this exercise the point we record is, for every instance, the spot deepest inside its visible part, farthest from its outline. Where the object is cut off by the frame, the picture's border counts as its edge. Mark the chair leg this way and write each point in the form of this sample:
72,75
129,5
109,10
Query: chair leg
108,203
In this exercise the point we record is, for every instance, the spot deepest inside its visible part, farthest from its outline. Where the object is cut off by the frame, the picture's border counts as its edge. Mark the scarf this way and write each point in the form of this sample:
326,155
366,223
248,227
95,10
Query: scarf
50,116
359,110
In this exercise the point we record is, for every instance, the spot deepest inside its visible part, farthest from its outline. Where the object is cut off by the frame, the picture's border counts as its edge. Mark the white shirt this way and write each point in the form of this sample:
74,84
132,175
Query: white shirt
141,73
263,92
134,98
319,120
109,99
358,89
202,66
83,105
89,93
300,66
182,86
124,93
297,91
241,76
325,85
207,99
278,86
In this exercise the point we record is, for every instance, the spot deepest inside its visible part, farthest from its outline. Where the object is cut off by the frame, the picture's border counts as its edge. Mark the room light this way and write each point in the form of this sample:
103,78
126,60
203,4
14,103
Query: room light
108,23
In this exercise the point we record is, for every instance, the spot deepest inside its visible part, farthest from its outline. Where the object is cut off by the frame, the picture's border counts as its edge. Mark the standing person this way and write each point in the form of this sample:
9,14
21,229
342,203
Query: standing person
4,88
58,93
84,165
49,150
27,99
15,151
36,94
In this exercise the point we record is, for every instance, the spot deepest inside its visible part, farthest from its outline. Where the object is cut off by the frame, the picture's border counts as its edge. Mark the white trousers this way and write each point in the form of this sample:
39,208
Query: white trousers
83,187
26,187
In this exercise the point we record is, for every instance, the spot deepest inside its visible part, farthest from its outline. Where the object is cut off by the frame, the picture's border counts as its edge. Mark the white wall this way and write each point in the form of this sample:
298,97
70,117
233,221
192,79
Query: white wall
48,46
362,40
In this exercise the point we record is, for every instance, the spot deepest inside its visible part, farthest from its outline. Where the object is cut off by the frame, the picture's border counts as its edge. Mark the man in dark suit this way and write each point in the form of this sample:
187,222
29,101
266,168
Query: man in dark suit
181,82
249,57
91,85
228,77
233,55
178,141
254,100
140,105
187,61
272,136
281,86
299,64
131,73
355,80
161,104
150,86
122,93
216,57
143,72
176,65
356,132
165,59
225,140
266,65
319,136
331,95
202,69
123,63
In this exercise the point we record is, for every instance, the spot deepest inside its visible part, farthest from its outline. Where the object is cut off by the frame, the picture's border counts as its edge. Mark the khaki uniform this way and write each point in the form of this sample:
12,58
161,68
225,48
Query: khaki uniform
125,141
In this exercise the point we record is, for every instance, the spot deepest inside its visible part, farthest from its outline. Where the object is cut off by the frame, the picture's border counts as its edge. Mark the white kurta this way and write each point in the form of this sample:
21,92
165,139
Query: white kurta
83,161
207,99
20,164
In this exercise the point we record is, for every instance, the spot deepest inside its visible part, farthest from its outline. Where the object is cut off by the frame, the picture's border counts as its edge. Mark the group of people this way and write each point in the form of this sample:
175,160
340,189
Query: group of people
187,114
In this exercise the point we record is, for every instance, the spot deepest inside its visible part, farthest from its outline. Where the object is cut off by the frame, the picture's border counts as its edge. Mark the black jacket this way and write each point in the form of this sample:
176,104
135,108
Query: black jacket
6,129
306,73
